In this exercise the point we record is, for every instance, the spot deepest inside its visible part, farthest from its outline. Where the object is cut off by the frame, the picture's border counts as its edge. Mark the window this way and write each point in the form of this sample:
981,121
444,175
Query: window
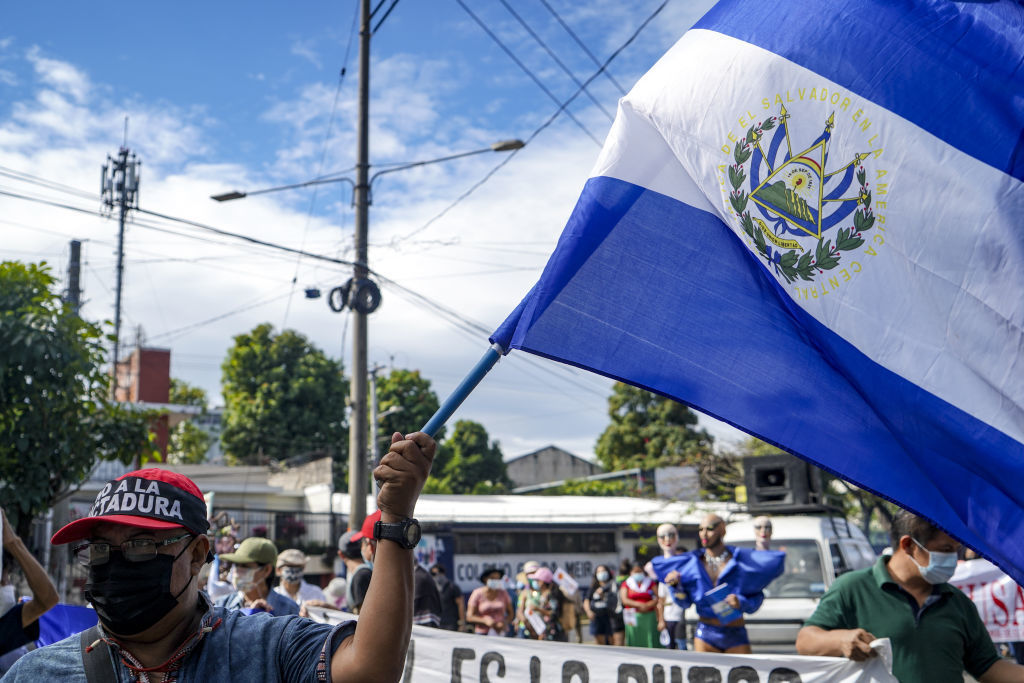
534,542
802,576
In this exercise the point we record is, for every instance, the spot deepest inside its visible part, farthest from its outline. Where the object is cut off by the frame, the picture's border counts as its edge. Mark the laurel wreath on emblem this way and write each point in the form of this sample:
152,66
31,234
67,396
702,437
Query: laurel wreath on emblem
792,265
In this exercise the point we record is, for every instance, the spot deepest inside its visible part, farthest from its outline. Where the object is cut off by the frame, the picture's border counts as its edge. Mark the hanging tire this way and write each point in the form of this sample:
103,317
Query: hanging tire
338,298
365,296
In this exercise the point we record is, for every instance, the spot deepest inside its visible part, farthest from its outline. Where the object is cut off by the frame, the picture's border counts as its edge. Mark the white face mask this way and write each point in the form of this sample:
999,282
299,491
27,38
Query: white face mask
242,578
7,598
495,584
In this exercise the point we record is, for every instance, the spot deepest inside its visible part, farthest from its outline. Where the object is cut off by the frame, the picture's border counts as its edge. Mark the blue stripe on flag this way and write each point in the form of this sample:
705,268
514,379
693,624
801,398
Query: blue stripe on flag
694,316
963,57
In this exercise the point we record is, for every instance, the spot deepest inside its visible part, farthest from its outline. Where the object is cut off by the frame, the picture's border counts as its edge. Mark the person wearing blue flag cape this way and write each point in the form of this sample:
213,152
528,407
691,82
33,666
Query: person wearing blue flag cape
725,582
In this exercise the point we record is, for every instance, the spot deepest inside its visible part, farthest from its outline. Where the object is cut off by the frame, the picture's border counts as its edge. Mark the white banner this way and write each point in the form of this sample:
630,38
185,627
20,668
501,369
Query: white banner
999,600
436,655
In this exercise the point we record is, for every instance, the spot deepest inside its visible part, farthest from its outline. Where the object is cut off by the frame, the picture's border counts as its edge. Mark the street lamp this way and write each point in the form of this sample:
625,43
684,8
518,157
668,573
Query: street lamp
361,294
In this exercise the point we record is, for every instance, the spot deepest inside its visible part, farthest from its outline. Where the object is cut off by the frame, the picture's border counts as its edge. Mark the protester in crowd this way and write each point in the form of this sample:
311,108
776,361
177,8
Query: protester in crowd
426,601
489,608
525,597
146,544
935,629
335,592
453,604
571,617
357,571
762,533
671,612
252,575
641,610
19,621
550,603
600,605
618,624
291,567
724,581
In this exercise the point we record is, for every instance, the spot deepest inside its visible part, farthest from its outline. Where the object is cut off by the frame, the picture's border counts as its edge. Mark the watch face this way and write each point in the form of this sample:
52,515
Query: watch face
412,534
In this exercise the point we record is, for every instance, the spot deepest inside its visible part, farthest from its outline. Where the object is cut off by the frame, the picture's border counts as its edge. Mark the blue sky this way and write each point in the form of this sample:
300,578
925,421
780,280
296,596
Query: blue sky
233,95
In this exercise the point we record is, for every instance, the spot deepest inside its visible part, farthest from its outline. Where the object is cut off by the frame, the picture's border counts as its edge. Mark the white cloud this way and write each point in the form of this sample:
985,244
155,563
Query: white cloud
305,49
62,76
8,77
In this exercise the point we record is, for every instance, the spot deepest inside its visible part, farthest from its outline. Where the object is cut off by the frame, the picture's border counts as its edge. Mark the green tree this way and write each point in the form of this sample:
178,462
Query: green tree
650,431
283,398
56,418
410,392
187,443
474,463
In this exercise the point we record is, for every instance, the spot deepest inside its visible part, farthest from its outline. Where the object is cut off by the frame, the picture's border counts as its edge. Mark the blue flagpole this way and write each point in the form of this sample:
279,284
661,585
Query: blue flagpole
452,403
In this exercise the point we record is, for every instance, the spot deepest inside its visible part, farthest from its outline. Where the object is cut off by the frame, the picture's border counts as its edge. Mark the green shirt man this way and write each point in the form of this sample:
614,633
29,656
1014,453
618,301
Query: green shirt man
935,629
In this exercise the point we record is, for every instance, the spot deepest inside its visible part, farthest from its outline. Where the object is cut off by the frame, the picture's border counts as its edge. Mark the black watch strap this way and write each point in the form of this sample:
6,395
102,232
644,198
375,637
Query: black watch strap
405,533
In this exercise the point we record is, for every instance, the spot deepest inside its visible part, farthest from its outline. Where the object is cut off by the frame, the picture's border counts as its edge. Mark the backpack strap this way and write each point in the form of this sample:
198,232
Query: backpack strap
98,667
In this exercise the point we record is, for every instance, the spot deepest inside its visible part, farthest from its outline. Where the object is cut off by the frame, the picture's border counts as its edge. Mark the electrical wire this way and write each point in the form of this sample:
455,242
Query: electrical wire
462,323
527,71
583,46
49,184
602,69
558,61
384,18
316,189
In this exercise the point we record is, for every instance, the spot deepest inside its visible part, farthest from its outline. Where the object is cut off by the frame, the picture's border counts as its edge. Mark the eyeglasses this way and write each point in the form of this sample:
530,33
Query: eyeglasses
93,554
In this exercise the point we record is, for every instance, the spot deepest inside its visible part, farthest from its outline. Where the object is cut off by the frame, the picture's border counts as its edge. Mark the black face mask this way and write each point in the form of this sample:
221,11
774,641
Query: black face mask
129,597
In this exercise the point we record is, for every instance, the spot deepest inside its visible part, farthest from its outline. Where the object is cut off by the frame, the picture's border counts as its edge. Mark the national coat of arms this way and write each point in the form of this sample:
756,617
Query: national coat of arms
789,200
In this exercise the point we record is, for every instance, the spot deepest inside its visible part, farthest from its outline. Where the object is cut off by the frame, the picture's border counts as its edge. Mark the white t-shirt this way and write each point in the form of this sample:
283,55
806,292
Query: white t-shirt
307,591
673,612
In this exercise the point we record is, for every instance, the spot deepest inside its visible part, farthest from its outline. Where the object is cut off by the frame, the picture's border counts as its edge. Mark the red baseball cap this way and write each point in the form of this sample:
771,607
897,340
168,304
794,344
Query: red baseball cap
152,498
367,530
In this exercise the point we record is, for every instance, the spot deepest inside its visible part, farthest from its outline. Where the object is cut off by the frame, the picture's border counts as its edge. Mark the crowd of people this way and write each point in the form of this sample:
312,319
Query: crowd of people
169,608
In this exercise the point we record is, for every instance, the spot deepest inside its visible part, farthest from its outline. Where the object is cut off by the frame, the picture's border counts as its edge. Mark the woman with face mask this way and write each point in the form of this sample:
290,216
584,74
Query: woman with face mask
639,597
549,604
490,608
600,605
252,575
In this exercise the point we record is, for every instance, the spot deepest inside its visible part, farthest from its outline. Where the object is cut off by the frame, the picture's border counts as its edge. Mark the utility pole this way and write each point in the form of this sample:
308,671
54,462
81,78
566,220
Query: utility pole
371,460
120,187
61,510
357,449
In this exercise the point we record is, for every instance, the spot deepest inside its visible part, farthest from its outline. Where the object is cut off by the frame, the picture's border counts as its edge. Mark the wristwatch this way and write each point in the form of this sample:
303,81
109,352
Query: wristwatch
405,533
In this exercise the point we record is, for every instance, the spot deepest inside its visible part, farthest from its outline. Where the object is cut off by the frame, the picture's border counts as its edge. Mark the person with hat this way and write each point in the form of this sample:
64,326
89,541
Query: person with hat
524,597
357,572
143,545
291,565
548,600
426,609
252,575
490,608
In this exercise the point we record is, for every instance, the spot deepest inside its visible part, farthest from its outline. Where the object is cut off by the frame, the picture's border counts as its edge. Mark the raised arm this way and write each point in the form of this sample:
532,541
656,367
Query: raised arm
44,595
377,649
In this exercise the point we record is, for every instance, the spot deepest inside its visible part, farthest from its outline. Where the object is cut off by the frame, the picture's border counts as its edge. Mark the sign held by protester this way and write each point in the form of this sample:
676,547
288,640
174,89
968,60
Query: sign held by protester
999,600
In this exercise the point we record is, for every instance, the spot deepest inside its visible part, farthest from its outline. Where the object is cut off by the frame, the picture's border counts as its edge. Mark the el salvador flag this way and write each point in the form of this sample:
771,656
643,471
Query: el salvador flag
808,221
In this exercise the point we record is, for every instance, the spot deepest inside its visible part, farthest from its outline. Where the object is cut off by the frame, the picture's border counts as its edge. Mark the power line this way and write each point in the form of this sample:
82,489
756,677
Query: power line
527,71
558,61
582,45
384,18
602,69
